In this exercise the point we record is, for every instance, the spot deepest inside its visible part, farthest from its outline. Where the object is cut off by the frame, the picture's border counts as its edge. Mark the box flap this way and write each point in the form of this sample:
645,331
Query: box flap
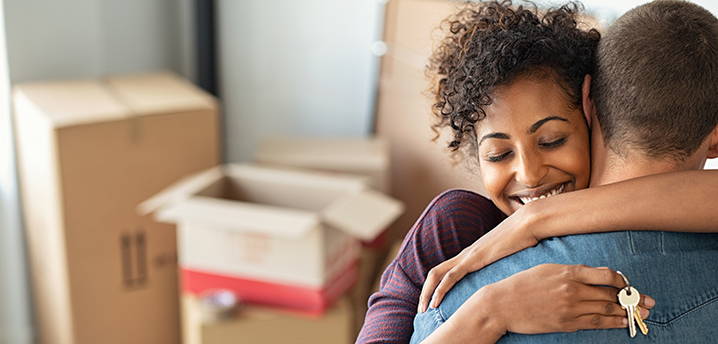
220,214
69,103
363,215
341,154
180,191
162,92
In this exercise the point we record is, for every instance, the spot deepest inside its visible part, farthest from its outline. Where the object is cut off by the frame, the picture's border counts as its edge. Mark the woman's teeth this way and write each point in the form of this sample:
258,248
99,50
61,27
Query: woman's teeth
553,192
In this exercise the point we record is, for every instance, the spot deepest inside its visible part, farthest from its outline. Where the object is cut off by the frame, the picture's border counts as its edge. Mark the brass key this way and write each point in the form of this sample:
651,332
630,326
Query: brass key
639,320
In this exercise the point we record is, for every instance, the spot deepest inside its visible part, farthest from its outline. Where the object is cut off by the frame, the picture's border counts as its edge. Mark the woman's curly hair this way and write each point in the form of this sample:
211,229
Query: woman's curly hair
490,44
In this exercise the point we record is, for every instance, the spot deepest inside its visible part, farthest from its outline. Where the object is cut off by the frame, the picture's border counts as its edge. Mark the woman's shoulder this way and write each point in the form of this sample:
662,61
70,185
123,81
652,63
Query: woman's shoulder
458,199
452,221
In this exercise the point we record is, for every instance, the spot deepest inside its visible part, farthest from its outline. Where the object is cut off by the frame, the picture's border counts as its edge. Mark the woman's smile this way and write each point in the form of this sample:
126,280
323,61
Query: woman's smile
527,197
533,143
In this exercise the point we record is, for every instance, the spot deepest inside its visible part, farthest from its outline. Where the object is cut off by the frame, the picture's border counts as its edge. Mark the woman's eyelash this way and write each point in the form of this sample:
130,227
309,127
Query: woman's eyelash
497,158
552,144
555,143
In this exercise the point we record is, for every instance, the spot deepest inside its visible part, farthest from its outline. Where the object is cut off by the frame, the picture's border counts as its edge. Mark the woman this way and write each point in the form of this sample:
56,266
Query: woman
526,73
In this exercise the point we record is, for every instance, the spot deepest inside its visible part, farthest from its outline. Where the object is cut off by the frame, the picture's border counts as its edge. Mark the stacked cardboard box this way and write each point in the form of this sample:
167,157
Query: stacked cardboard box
275,236
253,324
422,166
89,152
362,156
367,157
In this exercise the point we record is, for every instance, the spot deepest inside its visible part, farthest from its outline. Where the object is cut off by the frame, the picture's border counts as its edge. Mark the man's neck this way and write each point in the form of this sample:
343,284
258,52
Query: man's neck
618,168
609,167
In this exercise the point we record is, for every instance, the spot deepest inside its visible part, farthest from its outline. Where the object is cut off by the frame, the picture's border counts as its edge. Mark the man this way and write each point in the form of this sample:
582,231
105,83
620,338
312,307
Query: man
655,96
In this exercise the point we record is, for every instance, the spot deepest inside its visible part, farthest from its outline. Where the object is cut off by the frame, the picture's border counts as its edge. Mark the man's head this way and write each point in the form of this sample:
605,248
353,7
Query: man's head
656,84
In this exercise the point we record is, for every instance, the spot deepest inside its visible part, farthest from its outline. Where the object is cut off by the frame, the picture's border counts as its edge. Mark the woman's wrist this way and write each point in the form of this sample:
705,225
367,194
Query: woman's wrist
487,316
533,217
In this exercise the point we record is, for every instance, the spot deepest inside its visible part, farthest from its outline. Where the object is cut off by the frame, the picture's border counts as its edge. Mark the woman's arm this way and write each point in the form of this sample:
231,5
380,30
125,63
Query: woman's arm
678,201
436,236
546,298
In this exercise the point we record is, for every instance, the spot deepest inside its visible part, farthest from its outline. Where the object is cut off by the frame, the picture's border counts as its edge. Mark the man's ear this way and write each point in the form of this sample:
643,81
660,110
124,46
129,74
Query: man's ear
588,106
713,146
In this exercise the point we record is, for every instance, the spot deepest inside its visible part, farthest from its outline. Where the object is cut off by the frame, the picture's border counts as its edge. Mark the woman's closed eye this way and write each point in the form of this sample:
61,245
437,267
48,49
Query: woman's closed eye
553,144
497,158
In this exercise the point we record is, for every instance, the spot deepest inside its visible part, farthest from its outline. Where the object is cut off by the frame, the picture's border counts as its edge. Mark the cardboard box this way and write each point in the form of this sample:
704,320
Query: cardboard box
297,229
421,166
259,325
363,156
88,153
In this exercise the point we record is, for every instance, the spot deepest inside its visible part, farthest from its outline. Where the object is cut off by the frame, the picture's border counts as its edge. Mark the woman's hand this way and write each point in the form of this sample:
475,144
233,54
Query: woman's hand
510,236
546,298
562,298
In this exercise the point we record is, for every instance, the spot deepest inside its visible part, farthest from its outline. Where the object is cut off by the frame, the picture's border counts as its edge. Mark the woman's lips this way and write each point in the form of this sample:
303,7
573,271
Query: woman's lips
555,191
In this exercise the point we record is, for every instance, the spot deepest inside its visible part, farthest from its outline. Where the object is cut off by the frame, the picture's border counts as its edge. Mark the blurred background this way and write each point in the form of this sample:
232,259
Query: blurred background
310,68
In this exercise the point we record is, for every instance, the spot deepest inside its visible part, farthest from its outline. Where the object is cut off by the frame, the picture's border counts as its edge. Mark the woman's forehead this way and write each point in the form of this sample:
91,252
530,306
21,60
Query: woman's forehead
527,100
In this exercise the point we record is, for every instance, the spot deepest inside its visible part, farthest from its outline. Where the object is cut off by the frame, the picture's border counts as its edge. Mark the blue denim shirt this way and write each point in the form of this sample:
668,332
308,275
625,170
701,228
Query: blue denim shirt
679,270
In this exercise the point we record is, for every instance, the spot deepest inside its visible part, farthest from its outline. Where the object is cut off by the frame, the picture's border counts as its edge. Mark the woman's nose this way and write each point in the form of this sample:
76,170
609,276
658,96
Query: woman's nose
530,169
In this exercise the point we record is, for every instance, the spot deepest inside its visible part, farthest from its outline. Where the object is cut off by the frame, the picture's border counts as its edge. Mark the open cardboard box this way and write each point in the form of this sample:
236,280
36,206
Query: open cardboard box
272,235
362,156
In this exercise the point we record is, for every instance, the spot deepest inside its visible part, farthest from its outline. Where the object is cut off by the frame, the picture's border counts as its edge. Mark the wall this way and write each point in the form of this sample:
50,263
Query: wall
15,314
296,67
609,10
50,39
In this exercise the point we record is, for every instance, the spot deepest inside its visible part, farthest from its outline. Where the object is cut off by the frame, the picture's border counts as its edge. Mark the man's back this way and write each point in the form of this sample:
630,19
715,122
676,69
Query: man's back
679,270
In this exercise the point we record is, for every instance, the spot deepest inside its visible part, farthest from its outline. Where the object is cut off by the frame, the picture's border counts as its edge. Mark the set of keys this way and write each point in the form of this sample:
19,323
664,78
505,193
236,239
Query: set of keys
629,298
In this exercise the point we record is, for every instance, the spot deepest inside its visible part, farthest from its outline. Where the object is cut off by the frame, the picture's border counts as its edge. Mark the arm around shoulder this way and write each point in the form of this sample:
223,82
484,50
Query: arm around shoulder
677,201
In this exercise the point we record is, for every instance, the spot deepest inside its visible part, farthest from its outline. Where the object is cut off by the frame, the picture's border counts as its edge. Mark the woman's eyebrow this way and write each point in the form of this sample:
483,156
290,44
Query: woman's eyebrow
538,124
494,136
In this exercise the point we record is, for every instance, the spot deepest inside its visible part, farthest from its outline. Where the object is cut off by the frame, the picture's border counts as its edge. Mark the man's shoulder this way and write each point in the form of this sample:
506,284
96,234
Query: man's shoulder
621,250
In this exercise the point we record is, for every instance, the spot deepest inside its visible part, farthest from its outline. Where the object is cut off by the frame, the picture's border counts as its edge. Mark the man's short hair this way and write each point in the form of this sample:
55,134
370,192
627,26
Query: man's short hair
656,84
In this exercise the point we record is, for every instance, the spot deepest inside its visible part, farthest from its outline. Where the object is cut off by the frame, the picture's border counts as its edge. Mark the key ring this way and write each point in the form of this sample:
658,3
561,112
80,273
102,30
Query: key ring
625,279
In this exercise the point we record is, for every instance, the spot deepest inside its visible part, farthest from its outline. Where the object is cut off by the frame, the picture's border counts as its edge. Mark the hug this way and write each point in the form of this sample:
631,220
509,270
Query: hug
591,148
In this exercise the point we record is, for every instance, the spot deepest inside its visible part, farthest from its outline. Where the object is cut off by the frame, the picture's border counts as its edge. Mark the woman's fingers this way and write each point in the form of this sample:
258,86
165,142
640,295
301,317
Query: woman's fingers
598,321
647,302
605,276
450,278
603,308
432,281
596,276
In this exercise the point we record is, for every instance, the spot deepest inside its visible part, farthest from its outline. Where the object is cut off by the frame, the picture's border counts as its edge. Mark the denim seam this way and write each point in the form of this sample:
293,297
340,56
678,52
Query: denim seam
630,241
438,316
699,306
660,242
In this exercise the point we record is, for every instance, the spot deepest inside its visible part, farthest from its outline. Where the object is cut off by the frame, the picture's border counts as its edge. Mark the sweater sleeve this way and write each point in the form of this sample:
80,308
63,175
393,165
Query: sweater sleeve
451,222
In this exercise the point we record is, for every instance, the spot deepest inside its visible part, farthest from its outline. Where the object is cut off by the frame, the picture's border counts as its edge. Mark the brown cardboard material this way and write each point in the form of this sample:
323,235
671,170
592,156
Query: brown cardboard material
421,168
259,325
363,156
309,221
88,153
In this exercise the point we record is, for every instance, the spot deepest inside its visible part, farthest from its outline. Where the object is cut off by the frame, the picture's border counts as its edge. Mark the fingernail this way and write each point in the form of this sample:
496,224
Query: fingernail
650,302
602,267
625,321
420,308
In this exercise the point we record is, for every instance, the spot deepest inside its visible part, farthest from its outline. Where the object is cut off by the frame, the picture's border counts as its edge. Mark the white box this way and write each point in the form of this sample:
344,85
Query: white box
280,226
363,156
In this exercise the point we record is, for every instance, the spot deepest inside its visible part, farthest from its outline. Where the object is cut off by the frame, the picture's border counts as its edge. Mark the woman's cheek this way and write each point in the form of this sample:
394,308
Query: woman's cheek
495,182
578,164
